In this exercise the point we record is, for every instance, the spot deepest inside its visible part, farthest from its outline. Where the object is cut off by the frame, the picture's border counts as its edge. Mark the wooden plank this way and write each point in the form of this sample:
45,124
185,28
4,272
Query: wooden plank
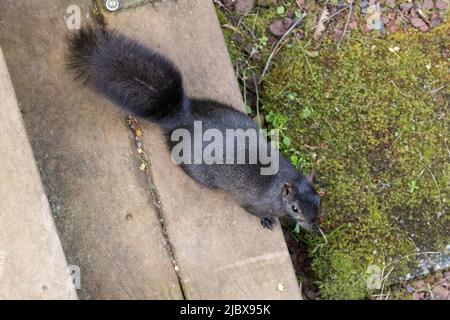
222,252
32,262
84,149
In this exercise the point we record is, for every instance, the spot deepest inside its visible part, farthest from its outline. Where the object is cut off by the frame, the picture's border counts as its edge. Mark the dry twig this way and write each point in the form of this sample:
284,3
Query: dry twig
279,45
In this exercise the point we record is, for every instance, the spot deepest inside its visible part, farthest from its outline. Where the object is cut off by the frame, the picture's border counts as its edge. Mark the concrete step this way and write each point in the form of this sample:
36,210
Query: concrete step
32,262
221,250
108,220
85,153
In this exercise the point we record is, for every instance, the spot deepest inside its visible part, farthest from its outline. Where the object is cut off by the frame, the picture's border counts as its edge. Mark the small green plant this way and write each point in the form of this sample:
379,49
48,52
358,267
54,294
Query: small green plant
413,186
371,117
372,124
281,10
263,41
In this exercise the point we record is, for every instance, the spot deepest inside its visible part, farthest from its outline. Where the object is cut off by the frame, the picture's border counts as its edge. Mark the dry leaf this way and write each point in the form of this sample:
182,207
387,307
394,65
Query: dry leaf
231,27
320,28
134,126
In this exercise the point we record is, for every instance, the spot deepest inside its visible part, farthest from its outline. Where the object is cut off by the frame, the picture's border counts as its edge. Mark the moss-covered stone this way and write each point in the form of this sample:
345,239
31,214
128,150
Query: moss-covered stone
372,118
376,132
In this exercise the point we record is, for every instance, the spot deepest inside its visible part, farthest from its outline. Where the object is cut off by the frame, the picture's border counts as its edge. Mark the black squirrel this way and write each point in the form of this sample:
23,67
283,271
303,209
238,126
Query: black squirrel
149,86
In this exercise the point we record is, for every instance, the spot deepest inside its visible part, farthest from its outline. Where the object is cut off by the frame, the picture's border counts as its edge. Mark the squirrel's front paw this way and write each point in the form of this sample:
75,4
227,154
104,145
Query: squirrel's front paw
268,222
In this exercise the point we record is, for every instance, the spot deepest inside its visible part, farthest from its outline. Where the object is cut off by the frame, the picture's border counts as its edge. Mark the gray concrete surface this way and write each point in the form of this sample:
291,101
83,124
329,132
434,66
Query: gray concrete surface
87,158
84,151
32,262
222,251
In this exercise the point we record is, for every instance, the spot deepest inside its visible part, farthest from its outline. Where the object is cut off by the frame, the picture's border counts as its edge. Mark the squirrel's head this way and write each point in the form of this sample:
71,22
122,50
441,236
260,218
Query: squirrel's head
301,202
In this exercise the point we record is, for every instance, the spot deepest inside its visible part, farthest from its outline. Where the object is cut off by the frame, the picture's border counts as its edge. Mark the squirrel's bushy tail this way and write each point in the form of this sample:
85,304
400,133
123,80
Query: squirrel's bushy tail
134,77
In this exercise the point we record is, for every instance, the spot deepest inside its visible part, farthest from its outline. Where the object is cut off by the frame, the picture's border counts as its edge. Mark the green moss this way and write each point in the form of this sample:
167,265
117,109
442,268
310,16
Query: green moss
346,276
372,120
228,34
252,31
376,131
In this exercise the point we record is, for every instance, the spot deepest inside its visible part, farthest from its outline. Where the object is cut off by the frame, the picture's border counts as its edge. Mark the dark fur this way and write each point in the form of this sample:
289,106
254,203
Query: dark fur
147,85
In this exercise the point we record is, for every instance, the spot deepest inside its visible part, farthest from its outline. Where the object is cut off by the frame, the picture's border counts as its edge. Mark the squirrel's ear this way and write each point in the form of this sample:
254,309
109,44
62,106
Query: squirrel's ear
287,190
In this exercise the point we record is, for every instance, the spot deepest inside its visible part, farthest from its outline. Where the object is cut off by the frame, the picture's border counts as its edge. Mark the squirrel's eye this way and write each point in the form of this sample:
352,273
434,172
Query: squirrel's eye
294,208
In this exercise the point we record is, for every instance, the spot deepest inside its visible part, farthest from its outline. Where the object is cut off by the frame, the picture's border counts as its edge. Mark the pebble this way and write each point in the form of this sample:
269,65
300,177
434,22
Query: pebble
409,288
272,40
419,24
287,22
393,27
406,5
229,3
392,15
391,3
238,38
243,6
277,28
263,3
428,4
424,28
420,284
385,19
435,22
440,293
248,48
441,4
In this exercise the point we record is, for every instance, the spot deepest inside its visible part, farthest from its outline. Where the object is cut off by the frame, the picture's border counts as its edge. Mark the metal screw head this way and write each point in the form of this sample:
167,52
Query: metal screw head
112,5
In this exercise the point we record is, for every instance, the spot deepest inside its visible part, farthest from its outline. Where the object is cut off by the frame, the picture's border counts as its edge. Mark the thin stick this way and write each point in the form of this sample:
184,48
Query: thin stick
422,158
402,93
309,66
323,235
333,15
244,75
254,21
257,100
438,89
346,24
446,145
361,157
295,24
240,22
